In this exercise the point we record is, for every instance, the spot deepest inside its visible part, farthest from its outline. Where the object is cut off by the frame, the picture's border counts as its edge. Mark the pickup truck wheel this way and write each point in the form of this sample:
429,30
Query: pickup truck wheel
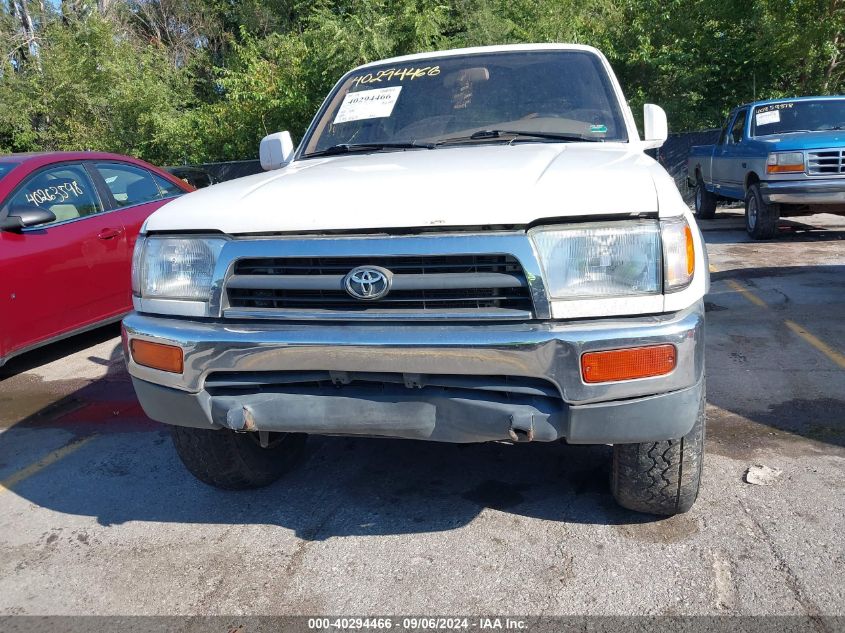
236,461
705,202
761,219
660,477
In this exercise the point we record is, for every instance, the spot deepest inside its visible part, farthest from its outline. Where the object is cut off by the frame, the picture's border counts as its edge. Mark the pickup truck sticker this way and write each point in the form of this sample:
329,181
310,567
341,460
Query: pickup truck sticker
367,104
598,129
55,194
765,118
775,106
764,115
397,73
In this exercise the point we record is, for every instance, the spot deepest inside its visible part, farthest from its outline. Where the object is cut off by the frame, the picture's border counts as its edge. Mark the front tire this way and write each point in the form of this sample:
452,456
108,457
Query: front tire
761,219
705,202
660,477
236,461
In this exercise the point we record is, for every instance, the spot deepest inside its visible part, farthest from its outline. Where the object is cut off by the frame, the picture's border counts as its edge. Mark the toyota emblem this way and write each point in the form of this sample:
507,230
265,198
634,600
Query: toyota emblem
368,282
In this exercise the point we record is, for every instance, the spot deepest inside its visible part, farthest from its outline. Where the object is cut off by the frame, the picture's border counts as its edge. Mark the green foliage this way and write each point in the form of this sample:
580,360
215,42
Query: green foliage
90,89
261,90
194,80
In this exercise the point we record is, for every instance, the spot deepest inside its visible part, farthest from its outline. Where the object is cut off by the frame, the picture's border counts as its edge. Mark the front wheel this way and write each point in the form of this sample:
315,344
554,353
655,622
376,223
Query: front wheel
761,219
237,461
660,477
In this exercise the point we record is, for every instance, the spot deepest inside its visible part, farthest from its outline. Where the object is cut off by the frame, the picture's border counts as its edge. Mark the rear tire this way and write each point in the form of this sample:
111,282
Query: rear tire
660,477
236,461
705,202
761,219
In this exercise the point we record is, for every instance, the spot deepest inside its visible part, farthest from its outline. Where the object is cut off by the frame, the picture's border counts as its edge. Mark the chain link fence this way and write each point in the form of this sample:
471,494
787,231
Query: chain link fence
673,156
219,172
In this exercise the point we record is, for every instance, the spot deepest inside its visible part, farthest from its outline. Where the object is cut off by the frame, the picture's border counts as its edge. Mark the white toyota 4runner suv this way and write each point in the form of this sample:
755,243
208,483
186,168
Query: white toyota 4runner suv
466,246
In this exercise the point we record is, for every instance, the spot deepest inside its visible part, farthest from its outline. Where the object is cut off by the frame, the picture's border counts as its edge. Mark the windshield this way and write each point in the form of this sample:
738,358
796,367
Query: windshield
5,168
798,116
447,99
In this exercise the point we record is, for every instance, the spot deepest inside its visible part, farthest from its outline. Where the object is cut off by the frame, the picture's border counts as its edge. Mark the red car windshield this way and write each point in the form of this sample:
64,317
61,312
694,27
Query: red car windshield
5,168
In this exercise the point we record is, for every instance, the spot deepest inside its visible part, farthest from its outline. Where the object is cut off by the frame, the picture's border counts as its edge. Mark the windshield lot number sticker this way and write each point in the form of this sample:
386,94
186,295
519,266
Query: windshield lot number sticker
368,104
765,118
765,115
57,194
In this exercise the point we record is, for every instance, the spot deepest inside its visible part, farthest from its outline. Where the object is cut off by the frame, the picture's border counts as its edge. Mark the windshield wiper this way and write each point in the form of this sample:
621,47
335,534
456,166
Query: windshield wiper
348,148
497,134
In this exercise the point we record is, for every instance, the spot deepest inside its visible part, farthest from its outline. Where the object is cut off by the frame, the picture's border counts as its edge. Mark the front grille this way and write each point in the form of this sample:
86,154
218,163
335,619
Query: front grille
828,161
436,285
398,265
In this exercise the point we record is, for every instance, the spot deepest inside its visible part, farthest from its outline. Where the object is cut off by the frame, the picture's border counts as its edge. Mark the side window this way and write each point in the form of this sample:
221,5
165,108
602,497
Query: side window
66,190
738,127
724,134
128,184
168,189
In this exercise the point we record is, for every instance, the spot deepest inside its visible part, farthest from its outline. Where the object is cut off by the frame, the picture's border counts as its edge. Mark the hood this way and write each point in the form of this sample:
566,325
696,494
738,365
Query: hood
447,187
804,140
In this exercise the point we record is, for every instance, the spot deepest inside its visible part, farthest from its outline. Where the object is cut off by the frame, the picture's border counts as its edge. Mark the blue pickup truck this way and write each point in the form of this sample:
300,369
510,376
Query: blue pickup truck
783,157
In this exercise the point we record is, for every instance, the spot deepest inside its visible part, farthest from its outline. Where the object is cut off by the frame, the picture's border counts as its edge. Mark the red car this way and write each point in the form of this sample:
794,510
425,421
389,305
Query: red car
68,224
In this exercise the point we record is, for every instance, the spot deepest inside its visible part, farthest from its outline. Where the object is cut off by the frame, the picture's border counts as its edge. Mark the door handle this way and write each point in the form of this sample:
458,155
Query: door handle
743,165
109,234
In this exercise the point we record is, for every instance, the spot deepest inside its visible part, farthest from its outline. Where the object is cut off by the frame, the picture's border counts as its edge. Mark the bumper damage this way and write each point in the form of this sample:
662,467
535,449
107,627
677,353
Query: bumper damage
450,383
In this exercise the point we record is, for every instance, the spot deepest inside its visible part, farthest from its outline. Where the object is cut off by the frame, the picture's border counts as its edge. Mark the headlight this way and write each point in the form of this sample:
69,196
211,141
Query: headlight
785,162
137,259
595,260
615,259
175,268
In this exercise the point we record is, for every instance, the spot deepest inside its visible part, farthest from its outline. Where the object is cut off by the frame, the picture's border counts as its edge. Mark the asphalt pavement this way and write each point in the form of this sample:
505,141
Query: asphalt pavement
98,516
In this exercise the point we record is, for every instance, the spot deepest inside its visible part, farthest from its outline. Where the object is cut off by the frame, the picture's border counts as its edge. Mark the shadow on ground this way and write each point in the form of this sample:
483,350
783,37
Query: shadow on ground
728,227
57,351
129,471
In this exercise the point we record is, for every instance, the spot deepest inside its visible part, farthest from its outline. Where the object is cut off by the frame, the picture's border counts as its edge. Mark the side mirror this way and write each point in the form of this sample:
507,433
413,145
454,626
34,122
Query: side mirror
655,127
21,217
275,150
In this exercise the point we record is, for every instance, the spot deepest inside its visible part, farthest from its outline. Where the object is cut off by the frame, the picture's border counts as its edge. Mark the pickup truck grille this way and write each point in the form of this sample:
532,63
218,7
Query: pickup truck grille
828,161
442,286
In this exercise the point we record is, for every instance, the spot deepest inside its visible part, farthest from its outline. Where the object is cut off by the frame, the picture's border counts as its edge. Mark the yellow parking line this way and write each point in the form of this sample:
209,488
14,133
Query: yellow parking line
745,292
834,355
820,345
41,464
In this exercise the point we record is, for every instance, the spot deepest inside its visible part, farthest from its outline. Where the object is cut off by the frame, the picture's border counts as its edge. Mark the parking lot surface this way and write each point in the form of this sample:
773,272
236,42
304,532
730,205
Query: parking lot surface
97,515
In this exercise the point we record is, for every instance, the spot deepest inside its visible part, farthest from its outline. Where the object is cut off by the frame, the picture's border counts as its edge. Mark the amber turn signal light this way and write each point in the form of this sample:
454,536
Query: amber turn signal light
157,355
628,364
784,169
690,251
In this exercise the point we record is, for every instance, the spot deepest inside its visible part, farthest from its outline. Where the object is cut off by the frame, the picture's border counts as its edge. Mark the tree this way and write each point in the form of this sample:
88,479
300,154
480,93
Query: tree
198,80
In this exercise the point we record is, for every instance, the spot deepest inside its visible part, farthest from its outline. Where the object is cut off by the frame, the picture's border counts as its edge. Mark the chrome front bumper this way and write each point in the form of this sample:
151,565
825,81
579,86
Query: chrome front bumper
637,410
827,191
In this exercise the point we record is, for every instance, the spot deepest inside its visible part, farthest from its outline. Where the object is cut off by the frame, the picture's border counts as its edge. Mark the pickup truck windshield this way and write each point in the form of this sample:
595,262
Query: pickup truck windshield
791,117
545,97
